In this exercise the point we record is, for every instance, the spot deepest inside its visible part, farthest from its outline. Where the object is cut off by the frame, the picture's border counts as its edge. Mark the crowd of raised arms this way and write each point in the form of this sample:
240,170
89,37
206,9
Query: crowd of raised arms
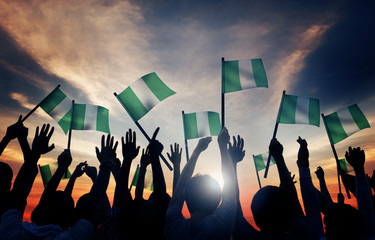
215,213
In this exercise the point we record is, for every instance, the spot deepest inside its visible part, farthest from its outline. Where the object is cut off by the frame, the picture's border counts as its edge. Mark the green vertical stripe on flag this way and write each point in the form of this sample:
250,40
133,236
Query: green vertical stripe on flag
231,76
45,173
259,163
288,109
102,120
259,73
190,125
157,86
314,112
64,122
52,100
358,117
152,186
214,123
79,116
132,105
336,132
135,177
342,164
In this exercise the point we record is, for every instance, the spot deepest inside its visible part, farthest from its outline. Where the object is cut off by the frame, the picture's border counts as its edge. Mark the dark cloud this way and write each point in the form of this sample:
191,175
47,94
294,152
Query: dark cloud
342,70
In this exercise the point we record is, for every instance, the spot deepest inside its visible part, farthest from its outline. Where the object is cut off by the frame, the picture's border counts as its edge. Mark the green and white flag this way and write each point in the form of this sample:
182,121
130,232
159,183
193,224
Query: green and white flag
299,110
260,161
47,171
148,184
90,117
142,95
58,106
345,122
238,75
345,166
201,124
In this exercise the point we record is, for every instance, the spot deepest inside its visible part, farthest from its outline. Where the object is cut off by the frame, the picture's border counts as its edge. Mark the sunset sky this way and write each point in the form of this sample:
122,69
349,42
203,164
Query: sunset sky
317,49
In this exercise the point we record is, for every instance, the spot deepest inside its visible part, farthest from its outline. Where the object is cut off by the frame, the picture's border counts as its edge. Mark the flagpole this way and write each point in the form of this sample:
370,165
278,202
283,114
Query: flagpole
145,134
186,142
70,128
222,95
33,110
335,155
274,135
256,170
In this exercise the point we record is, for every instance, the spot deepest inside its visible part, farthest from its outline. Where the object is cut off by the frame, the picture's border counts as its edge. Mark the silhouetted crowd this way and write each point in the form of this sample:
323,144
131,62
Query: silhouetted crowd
215,213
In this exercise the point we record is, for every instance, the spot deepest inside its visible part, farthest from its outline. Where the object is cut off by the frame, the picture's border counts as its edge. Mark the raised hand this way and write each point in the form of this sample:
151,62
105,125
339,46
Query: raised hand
41,140
15,130
107,153
80,169
223,138
146,158
236,150
91,172
64,159
155,147
303,154
203,144
275,148
319,173
356,158
175,156
129,146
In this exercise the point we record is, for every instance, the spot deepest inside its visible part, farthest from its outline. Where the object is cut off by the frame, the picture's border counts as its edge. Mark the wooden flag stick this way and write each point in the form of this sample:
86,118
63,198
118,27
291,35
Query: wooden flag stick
70,128
145,134
274,135
186,142
33,110
222,95
256,170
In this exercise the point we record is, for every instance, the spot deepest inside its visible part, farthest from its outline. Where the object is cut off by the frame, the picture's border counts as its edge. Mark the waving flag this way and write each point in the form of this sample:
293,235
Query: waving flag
47,171
141,96
260,161
90,117
201,124
238,75
299,110
345,122
345,166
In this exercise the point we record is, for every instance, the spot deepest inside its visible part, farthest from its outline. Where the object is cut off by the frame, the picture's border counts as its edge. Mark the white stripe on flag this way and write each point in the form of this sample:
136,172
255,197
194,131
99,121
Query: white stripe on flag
246,74
144,94
202,124
347,121
265,158
90,117
302,110
60,110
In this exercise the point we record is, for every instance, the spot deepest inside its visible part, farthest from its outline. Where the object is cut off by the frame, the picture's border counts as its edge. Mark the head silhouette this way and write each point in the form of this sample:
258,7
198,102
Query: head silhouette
272,210
54,207
6,175
202,194
343,221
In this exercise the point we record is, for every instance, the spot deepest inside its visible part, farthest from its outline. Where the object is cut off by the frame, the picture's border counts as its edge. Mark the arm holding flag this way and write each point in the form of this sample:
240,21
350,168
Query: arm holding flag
155,149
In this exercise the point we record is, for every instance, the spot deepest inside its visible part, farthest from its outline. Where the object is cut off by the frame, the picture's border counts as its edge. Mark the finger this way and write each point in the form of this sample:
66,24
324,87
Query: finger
51,147
180,151
115,147
239,141
36,132
155,133
97,151
122,141
137,150
234,141
46,130
171,148
19,119
108,139
127,137
50,133
42,130
143,152
169,156
111,141
134,137
103,140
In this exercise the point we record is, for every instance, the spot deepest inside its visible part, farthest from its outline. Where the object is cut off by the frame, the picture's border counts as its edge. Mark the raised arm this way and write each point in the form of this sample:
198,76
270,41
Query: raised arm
155,148
178,196
145,161
129,152
286,181
80,169
13,131
175,158
356,158
322,183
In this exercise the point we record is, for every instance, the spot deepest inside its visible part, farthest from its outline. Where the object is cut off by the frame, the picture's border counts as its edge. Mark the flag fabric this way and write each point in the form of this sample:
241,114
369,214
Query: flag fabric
260,161
345,122
148,183
201,124
90,117
238,75
47,171
299,110
58,106
344,166
142,95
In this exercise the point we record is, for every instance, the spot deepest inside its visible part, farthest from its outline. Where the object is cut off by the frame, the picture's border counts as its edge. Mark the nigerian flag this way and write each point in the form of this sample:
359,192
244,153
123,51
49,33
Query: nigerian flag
260,161
345,122
238,75
90,117
148,183
299,110
345,166
58,106
201,124
47,171
142,95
